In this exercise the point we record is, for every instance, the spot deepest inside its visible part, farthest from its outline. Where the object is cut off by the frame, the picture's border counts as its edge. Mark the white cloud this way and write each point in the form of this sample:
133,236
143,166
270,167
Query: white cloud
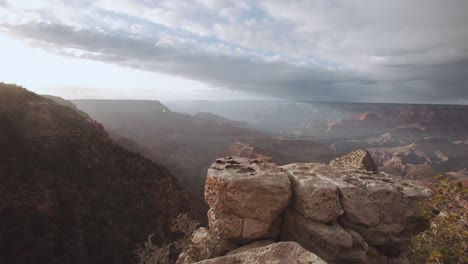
386,46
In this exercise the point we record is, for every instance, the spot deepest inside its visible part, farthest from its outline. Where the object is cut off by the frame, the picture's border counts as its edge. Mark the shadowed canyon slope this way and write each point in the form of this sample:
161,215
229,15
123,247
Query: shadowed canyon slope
185,144
68,193
188,144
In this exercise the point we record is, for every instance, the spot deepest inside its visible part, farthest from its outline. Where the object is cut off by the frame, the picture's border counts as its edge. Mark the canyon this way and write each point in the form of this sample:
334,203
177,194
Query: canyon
414,141
409,141
77,191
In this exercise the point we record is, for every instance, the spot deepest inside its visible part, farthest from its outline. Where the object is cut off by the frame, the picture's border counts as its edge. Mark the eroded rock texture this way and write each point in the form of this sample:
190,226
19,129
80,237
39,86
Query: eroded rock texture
343,213
352,216
256,244
277,253
246,198
359,160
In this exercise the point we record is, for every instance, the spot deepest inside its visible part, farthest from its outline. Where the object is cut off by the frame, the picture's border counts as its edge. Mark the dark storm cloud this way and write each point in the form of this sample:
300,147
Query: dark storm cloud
242,73
405,51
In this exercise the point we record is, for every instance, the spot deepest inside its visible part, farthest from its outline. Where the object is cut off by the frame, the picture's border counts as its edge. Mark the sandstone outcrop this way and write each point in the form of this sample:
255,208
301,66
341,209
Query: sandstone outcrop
246,198
343,213
351,216
358,160
277,253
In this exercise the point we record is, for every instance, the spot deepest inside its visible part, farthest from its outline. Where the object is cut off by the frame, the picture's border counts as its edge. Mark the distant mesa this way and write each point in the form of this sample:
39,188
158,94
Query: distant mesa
219,119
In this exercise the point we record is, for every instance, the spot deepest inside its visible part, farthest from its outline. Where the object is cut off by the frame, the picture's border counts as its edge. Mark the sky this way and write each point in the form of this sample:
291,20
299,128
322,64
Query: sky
318,50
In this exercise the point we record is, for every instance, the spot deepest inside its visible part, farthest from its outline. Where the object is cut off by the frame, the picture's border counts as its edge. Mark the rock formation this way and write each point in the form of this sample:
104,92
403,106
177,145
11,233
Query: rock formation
277,253
352,216
343,213
246,198
256,244
359,160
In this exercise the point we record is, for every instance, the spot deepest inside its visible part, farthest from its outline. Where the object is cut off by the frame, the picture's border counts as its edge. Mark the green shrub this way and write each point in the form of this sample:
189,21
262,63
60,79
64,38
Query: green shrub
446,240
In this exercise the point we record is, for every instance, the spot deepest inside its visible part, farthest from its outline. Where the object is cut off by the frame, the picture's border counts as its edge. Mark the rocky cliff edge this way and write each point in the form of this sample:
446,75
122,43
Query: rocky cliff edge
345,212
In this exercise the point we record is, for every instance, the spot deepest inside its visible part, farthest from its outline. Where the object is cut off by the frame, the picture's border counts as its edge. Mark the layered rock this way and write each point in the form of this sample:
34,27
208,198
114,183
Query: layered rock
277,253
246,198
343,213
352,216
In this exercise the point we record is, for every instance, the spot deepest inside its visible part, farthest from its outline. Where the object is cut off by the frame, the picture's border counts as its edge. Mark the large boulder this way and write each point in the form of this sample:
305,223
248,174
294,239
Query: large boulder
246,198
277,253
357,160
350,215
256,244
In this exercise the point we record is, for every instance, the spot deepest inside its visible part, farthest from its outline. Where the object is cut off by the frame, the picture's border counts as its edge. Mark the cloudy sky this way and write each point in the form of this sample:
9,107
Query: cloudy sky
320,50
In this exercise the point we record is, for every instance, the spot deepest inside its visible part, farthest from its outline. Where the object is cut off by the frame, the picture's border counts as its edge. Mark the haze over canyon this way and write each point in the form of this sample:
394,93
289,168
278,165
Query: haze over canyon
214,131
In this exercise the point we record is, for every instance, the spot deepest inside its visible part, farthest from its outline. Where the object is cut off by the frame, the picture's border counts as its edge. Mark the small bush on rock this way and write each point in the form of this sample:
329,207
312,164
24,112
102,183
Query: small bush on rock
446,240
150,253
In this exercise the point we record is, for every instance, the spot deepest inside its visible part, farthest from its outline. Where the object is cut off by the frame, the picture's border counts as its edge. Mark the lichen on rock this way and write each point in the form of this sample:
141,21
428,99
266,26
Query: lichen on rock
358,160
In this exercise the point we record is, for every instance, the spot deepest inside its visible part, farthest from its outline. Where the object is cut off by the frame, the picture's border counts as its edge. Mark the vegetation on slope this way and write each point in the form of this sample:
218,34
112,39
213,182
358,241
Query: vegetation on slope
69,194
446,241
152,253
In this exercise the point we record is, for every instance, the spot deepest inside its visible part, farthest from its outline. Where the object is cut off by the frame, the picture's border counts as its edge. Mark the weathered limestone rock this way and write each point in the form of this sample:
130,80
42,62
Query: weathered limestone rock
357,160
325,240
206,245
256,244
344,212
277,253
313,197
246,198
352,216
